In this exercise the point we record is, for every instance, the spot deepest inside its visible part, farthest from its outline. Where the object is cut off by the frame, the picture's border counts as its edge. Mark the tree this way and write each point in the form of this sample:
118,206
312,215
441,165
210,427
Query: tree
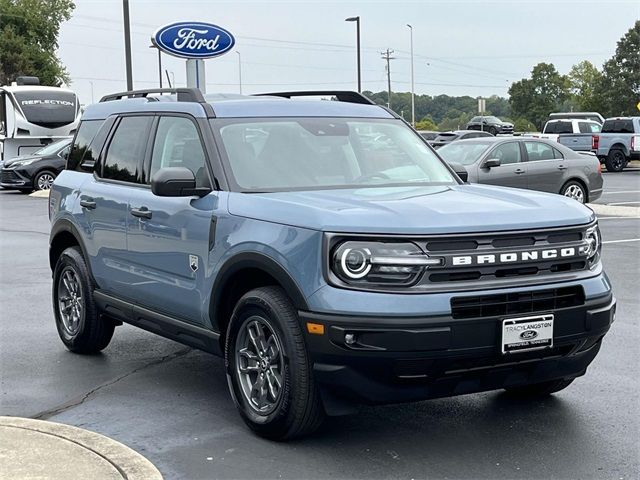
29,39
584,79
426,124
535,98
620,86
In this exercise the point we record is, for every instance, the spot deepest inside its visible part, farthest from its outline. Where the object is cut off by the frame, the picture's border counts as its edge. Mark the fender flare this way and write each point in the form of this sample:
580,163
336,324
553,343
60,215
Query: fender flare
64,225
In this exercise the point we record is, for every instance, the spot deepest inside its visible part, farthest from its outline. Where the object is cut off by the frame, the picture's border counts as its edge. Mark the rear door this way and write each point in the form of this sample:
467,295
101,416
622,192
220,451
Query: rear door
546,168
512,171
105,201
170,243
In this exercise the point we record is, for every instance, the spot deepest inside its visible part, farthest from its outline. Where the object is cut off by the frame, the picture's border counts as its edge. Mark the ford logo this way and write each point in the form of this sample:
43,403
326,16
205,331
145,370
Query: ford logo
193,40
528,335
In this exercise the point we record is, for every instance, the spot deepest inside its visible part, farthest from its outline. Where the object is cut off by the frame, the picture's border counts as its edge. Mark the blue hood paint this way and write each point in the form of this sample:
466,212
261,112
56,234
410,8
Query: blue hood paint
413,210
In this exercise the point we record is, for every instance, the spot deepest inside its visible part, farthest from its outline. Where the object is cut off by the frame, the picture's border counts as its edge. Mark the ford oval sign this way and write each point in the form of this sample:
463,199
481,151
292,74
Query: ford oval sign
193,40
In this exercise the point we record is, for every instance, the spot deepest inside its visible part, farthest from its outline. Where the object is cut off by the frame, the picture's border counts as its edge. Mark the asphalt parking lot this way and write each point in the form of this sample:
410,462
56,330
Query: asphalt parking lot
171,403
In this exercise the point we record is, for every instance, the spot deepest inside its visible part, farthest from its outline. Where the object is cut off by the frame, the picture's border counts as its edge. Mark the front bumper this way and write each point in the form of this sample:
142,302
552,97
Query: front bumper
11,178
400,359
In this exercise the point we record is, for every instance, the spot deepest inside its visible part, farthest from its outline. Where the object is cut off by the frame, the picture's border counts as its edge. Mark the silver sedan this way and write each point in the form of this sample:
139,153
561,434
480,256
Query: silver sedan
535,164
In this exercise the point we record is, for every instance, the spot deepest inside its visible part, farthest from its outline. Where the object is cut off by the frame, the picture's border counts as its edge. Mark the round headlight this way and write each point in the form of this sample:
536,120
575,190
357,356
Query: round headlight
355,262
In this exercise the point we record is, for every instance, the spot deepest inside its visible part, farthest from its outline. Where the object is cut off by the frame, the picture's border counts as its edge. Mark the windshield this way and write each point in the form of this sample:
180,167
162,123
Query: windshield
274,154
465,153
48,108
53,148
493,119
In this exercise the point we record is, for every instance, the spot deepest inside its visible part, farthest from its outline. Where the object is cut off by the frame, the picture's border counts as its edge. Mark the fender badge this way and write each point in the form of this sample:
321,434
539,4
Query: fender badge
193,262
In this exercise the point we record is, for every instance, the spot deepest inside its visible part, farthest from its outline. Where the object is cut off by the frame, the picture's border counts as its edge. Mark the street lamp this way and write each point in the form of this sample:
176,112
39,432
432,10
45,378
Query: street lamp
153,45
239,72
357,20
91,83
413,91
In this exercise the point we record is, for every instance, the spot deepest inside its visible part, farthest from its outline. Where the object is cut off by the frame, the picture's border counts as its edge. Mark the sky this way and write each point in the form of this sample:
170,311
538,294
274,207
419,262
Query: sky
461,47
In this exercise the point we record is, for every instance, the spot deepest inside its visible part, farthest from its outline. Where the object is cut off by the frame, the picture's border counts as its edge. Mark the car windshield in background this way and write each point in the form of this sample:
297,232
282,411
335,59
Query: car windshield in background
464,152
53,148
446,137
323,153
493,119
559,127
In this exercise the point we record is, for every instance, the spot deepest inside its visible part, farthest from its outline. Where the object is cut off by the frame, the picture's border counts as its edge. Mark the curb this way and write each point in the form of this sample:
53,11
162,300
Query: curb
614,210
23,441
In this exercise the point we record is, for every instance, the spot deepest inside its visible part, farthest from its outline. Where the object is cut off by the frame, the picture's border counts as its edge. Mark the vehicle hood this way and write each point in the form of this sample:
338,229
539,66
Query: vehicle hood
8,163
413,210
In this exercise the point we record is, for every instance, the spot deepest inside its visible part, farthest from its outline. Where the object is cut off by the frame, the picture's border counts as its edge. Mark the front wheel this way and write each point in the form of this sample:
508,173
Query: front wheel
539,390
575,190
44,180
493,131
268,368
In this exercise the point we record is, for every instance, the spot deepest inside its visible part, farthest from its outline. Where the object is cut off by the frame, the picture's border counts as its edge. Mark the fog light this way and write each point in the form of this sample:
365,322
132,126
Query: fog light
350,338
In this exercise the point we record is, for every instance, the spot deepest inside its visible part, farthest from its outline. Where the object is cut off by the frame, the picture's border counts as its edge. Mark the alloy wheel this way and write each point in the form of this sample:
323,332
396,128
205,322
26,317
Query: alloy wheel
575,191
70,301
259,365
618,160
45,181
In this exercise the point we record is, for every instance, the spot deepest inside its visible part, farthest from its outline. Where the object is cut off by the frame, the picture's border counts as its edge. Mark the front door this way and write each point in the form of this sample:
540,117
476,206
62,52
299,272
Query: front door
512,171
171,241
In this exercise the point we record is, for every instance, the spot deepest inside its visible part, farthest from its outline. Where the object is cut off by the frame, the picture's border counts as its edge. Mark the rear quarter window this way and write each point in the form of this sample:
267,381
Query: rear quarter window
82,149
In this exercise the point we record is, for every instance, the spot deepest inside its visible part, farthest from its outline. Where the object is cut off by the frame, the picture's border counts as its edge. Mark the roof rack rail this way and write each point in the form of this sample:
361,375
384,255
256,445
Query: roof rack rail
341,95
183,94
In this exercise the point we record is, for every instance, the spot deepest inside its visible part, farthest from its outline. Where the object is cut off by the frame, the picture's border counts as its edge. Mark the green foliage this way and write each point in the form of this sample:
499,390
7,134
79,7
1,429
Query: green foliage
29,38
426,124
534,98
523,125
583,80
619,87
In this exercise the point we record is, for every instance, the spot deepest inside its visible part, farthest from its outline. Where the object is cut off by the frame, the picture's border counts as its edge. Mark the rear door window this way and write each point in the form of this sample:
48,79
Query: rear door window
126,149
539,151
588,127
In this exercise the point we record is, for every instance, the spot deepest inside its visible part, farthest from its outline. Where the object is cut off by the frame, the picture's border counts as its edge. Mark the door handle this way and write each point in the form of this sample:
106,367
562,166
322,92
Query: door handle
142,212
88,203
519,171
561,167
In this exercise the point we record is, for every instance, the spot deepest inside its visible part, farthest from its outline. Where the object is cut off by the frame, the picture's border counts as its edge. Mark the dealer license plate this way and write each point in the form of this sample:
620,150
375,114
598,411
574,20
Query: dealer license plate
527,333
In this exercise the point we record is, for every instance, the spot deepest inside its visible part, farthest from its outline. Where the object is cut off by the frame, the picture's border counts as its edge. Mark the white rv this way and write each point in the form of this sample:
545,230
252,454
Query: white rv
32,116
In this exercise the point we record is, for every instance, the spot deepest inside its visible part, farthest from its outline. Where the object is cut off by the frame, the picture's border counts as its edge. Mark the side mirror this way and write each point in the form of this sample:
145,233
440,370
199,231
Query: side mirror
492,162
176,182
460,171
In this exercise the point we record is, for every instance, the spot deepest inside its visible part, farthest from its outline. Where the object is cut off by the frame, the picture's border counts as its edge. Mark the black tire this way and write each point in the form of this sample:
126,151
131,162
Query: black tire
539,390
41,176
616,160
298,410
92,332
493,131
576,190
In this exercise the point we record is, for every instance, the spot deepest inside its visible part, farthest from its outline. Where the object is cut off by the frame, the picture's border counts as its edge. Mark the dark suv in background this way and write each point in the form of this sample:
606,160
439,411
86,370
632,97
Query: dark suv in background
490,124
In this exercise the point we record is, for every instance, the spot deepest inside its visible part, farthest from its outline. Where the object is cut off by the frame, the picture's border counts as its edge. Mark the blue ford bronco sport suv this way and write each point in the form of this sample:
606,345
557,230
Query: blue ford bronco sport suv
323,249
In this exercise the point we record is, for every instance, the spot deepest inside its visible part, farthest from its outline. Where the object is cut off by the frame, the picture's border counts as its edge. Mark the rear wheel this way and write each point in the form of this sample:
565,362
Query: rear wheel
539,390
80,326
616,160
575,190
268,368
44,180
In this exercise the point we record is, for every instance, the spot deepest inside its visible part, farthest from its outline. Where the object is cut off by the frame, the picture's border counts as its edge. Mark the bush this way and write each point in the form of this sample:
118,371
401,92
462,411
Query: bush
523,125
426,124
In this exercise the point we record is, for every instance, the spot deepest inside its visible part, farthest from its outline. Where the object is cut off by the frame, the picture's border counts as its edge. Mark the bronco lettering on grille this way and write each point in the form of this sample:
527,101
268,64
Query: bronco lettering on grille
515,257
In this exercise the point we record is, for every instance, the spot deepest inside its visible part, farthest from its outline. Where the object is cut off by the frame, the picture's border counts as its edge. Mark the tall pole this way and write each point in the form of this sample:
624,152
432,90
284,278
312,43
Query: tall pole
160,67
239,72
357,20
127,44
91,83
387,56
413,91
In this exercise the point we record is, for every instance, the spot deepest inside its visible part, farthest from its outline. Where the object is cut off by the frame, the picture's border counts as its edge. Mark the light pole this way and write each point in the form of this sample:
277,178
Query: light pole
357,20
127,43
153,45
413,91
91,83
239,72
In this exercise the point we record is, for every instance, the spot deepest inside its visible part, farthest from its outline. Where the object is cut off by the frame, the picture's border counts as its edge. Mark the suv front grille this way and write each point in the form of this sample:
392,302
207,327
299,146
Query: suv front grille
516,303
9,176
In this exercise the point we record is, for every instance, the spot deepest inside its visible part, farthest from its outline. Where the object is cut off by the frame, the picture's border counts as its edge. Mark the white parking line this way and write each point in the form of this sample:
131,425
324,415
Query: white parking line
623,203
618,218
623,191
623,241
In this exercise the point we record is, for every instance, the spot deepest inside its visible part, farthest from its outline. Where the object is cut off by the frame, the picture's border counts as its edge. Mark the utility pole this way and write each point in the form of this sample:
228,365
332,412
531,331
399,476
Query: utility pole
413,90
387,56
127,43
239,72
